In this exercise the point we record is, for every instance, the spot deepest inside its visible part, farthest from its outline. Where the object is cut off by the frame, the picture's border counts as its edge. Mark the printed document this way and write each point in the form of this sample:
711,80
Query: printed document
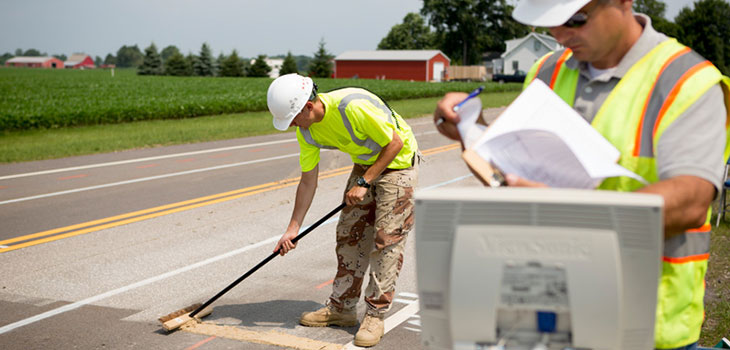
541,138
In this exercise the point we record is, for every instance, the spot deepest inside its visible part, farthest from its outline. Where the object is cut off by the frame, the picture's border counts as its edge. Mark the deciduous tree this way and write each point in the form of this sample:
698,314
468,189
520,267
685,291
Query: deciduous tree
655,9
168,51
706,29
412,34
129,56
467,28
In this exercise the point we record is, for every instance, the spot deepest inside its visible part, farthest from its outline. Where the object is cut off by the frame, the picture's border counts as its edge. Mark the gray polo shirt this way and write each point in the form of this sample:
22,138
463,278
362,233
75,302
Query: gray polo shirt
691,145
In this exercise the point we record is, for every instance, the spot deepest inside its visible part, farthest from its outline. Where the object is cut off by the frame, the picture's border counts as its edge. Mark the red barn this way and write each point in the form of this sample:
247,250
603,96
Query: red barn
420,65
79,61
34,62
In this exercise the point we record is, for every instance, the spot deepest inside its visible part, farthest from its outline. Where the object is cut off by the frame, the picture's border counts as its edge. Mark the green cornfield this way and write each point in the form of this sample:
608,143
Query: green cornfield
42,98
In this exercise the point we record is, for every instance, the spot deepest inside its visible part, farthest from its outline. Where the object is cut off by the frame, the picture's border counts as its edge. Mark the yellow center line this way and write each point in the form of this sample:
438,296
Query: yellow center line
123,219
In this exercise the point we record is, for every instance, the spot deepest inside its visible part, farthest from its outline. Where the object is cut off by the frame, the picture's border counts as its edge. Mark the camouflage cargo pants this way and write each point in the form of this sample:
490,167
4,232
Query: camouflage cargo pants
373,233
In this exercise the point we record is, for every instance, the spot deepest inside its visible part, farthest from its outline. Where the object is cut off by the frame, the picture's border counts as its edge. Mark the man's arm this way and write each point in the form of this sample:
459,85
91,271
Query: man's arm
686,199
305,193
387,154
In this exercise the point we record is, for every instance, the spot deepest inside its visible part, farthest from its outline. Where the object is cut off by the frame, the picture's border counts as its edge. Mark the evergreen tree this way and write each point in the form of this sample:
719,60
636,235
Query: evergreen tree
320,66
97,61
232,66
152,63
259,68
203,66
177,65
289,65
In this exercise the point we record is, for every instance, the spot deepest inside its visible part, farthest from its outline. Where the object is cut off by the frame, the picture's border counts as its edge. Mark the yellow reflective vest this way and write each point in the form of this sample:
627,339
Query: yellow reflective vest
639,106
359,123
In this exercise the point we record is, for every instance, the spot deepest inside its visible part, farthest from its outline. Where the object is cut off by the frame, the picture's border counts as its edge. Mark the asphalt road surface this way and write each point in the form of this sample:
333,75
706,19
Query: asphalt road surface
94,249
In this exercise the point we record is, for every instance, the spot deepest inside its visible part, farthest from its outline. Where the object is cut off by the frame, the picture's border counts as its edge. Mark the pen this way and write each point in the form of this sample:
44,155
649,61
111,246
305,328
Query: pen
471,95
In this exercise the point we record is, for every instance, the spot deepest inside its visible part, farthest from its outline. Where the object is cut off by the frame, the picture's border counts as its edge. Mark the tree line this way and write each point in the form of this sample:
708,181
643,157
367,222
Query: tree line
170,61
466,29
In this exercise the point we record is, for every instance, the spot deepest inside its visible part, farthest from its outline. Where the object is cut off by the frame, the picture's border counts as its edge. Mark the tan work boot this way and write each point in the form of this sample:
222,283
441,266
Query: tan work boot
326,317
371,330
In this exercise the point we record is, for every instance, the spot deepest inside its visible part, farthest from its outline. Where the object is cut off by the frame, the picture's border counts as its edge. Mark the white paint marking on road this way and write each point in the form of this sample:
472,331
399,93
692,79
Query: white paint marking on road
3,246
96,298
404,301
137,160
120,183
413,329
391,322
448,182
409,295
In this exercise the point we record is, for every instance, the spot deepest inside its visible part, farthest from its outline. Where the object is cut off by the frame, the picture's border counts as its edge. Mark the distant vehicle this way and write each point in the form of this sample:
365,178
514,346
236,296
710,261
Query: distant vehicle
516,77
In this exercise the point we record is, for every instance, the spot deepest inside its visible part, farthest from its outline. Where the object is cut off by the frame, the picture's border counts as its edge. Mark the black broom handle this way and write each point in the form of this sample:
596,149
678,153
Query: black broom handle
268,258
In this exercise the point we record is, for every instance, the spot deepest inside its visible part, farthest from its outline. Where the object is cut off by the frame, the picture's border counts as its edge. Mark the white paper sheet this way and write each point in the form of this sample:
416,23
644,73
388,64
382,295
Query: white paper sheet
540,138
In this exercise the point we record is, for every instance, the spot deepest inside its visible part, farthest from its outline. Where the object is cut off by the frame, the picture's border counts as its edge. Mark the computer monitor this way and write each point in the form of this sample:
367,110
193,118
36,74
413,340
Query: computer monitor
519,268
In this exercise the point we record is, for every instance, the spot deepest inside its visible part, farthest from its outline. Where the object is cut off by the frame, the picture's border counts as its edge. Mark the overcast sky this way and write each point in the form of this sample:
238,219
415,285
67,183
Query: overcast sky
99,27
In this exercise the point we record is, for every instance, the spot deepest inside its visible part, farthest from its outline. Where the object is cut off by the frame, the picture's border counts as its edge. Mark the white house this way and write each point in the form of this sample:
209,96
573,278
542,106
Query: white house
521,53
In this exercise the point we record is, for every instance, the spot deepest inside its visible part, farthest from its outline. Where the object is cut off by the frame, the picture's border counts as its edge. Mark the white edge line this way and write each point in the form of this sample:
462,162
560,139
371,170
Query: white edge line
390,323
404,301
408,295
111,293
138,160
98,165
53,194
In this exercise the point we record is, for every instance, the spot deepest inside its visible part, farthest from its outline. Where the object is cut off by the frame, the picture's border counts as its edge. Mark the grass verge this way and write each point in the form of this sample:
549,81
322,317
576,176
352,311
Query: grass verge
717,296
19,146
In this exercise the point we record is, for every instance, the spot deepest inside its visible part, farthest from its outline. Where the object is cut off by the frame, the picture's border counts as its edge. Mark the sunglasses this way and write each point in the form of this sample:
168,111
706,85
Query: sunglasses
579,19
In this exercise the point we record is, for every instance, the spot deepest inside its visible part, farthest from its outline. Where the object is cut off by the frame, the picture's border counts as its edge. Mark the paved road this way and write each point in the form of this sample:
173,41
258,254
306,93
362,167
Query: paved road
94,249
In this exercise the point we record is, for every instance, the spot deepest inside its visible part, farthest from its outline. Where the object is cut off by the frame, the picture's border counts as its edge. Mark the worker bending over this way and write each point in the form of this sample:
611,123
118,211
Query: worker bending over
664,107
379,192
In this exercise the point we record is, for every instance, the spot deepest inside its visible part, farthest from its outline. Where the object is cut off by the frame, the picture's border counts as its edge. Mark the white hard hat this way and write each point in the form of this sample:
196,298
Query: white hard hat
546,13
286,97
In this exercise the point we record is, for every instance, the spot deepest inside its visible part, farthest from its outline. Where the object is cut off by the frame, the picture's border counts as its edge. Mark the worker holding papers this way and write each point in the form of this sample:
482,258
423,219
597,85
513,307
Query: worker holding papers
653,110
539,137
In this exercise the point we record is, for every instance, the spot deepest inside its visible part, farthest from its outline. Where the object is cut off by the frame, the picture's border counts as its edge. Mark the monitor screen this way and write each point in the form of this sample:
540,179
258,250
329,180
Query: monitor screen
518,268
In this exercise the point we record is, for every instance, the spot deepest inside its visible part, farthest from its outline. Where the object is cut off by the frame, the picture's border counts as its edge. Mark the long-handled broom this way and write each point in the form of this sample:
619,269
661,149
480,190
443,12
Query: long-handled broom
178,318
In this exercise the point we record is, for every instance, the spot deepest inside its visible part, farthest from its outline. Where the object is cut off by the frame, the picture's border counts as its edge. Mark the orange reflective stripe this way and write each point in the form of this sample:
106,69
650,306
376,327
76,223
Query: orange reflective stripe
540,63
558,67
686,259
704,228
675,90
637,139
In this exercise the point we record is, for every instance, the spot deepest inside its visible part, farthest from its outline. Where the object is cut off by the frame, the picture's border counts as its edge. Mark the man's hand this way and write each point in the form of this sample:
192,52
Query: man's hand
444,116
355,195
516,181
285,243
